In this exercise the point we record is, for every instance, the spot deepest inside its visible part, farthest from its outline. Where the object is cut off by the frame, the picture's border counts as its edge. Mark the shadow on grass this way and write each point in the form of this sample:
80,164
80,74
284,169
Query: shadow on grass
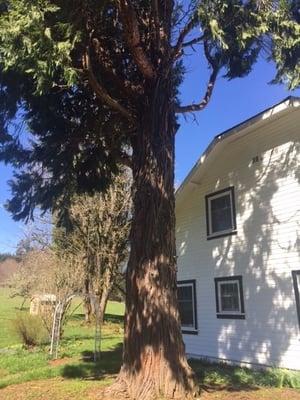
108,364
214,377
114,318
108,318
76,317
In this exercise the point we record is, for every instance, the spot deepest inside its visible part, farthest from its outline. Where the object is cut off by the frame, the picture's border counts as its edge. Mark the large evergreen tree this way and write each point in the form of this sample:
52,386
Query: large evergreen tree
96,83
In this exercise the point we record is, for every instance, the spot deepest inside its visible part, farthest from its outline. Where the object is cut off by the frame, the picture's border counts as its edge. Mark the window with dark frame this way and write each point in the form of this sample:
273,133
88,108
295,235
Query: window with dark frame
230,297
186,294
296,282
220,213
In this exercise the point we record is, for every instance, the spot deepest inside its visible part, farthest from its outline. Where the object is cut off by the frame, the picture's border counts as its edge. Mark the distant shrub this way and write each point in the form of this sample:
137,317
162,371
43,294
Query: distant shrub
31,330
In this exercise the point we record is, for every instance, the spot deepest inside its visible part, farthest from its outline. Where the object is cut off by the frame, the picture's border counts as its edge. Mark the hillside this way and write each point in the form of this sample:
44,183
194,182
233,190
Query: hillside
7,268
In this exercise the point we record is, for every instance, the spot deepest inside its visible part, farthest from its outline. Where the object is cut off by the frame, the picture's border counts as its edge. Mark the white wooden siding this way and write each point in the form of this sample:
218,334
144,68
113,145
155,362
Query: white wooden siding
265,250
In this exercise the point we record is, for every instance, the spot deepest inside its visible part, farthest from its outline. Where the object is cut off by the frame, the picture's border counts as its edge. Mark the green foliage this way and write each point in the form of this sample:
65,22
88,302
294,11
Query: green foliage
31,330
18,364
30,46
238,31
77,140
286,43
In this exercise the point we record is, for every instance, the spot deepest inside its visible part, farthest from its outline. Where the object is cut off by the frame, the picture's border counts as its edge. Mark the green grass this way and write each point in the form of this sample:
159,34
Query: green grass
19,365
223,375
78,371
8,308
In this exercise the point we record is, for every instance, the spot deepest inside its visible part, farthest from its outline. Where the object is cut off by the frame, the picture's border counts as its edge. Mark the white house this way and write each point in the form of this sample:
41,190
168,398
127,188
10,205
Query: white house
238,243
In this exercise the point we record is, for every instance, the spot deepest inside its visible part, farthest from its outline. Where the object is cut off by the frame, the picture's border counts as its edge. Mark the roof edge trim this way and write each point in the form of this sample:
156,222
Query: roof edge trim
292,101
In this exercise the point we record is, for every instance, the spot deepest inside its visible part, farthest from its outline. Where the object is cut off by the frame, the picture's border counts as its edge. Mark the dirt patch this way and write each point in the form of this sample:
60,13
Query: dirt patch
49,389
251,394
61,361
217,394
64,389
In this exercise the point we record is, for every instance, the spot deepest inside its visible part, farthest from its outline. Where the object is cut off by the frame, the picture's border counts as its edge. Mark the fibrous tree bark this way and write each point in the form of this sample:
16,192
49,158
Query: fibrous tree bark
154,360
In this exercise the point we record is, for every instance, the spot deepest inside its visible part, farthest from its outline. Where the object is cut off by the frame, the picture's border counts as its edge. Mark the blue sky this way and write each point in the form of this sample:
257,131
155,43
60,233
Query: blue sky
232,102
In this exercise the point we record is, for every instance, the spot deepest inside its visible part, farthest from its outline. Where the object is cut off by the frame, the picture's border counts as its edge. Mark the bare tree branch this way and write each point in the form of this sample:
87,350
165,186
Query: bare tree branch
203,103
100,90
182,35
193,41
133,39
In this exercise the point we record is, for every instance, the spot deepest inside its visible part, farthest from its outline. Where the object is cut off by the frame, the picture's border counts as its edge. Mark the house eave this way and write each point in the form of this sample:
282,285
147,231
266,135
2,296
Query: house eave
288,103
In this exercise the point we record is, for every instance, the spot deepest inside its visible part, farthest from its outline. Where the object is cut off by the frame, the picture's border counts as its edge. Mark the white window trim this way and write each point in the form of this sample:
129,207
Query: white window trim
237,312
211,197
188,327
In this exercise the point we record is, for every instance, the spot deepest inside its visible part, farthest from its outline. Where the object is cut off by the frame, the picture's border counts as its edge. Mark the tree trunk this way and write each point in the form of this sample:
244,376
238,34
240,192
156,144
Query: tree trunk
87,303
105,290
154,361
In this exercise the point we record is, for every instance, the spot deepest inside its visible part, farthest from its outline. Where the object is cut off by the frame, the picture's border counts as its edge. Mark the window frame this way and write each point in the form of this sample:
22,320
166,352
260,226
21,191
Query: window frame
240,314
186,329
208,198
296,283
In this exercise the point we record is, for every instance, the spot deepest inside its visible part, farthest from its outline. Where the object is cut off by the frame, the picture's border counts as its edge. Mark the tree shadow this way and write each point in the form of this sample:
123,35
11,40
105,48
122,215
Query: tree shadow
265,250
117,319
108,364
107,318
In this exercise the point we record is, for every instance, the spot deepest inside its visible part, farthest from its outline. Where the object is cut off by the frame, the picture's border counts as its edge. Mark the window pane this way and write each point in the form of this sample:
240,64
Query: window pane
185,293
229,295
221,214
186,314
185,304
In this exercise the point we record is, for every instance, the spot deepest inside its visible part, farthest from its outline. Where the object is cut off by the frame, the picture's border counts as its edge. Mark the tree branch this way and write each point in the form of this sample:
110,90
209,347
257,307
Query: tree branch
120,288
125,160
193,41
133,39
128,89
203,103
182,35
156,22
100,91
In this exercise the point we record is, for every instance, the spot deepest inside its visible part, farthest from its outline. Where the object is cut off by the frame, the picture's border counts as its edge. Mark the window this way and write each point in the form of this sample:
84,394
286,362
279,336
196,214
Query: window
296,281
186,294
229,297
220,213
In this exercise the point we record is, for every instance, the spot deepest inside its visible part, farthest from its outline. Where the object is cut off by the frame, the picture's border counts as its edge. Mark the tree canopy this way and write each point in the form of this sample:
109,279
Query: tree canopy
77,73
97,85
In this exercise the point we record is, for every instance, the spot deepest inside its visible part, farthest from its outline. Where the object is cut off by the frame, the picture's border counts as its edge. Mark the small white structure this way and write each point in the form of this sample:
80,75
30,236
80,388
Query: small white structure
42,303
238,243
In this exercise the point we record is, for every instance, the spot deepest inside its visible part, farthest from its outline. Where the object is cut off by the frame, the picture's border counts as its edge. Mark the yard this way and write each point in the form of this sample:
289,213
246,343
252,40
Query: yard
31,375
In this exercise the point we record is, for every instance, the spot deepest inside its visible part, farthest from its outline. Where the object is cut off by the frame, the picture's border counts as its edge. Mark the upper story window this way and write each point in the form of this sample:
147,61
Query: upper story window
229,297
220,213
186,294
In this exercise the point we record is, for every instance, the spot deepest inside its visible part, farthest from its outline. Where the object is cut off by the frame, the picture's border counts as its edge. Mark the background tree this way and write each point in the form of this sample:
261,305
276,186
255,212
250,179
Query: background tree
5,256
98,239
96,78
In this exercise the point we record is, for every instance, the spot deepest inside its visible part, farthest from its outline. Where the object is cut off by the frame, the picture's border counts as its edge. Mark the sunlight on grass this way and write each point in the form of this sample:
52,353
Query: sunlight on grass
18,365
76,373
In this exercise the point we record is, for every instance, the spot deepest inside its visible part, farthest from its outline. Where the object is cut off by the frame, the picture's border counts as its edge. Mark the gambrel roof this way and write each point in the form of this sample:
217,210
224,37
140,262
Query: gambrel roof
287,105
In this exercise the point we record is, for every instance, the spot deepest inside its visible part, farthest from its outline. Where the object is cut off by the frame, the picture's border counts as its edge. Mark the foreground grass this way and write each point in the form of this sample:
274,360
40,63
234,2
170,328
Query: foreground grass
18,365
75,374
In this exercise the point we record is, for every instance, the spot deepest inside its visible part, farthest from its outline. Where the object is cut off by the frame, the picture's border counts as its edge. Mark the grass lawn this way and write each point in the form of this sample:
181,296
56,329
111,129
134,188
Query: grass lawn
31,375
